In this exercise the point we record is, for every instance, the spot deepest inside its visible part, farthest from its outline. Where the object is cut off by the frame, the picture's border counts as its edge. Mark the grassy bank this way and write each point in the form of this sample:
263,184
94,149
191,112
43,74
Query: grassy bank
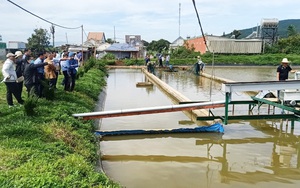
51,148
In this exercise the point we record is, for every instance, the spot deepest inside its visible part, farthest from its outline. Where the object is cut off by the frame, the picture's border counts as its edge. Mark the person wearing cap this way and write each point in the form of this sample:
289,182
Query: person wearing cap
20,66
283,70
10,77
199,66
73,65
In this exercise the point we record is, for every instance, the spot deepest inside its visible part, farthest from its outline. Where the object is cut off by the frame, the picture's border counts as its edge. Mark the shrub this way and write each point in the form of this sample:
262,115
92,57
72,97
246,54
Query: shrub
30,105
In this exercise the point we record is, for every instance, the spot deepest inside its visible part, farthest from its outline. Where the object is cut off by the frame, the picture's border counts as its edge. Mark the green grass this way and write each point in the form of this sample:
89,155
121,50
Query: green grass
51,148
256,60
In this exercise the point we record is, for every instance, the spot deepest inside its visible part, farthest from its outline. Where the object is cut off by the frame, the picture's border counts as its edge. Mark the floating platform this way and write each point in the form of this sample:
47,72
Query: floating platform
144,84
215,128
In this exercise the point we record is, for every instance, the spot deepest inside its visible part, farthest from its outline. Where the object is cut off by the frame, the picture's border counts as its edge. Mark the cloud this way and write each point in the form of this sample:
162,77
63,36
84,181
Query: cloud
152,19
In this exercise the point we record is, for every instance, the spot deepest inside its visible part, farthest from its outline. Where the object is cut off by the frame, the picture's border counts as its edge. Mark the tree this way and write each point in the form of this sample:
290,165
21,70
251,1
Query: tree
39,41
236,33
158,46
110,41
291,31
145,43
185,51
290,45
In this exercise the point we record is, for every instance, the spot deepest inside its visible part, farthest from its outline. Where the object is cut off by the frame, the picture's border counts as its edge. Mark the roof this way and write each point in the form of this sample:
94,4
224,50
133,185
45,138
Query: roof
178,42
121,47
103,47
95,35
77,49
178,39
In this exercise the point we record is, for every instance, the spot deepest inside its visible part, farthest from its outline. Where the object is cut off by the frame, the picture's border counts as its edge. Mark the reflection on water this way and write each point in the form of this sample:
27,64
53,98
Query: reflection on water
251,153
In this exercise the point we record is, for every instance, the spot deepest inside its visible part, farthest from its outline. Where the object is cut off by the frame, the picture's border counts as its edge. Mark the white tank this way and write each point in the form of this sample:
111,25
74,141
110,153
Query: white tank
269,23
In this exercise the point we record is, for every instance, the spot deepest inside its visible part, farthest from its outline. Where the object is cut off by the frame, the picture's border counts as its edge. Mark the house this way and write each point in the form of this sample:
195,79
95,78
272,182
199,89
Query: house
178,42
123,51
224,45
136,42
94,40
100,50
97,37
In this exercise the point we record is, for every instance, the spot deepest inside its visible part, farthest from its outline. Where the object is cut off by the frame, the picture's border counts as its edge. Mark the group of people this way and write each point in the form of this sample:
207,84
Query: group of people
160,58
22,69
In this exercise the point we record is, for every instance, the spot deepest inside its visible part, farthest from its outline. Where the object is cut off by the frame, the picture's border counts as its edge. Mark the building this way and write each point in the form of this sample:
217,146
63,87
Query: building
222,45
97,37
14,46
177,43
94,40
123,51
101,50
136,42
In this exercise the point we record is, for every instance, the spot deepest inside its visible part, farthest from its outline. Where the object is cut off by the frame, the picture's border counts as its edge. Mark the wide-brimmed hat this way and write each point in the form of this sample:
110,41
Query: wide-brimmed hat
285,60
10,55
18,54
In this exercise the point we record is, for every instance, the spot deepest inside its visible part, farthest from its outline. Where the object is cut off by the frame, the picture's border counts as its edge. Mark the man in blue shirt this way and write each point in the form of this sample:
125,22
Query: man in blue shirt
40,74
73,65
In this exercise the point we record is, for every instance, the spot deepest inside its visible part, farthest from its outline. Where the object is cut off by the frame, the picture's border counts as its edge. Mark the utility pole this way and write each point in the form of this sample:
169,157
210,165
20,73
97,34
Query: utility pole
52,30
114,35
67,38
179,17
82,54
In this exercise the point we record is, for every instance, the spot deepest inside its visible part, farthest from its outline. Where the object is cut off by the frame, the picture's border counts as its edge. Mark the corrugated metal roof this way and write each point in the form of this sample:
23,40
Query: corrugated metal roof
121,47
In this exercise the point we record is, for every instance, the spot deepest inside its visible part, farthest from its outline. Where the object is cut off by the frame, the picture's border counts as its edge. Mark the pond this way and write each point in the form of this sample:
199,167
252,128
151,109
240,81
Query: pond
263,153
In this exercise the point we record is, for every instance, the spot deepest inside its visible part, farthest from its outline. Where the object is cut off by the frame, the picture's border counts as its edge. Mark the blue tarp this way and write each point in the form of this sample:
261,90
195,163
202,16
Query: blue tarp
217,128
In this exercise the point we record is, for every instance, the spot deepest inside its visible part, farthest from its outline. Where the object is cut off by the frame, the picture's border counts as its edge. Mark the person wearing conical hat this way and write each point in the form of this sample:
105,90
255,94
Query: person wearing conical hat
283,70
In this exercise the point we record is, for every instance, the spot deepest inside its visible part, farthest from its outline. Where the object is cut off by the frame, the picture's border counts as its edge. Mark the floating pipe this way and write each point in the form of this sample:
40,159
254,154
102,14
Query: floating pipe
149,110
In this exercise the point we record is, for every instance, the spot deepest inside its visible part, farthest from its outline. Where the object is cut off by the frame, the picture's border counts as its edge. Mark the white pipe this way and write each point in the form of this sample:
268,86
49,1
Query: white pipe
150,109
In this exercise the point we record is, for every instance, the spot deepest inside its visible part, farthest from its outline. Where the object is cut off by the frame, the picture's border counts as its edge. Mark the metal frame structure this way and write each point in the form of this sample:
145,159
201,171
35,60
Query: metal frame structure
231,87
268,31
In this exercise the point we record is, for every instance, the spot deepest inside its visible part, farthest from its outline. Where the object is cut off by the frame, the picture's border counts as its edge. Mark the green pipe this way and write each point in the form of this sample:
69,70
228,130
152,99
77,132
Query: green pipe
227,100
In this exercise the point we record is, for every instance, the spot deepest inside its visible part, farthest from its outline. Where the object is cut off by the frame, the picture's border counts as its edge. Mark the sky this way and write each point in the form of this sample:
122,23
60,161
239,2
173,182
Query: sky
152,19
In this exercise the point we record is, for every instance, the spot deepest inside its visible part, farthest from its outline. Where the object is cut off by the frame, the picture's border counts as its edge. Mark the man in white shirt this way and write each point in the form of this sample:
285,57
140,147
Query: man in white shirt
10,78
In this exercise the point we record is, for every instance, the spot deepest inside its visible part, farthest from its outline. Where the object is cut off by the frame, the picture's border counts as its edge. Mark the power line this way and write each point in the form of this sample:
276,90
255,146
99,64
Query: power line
43,18
200,25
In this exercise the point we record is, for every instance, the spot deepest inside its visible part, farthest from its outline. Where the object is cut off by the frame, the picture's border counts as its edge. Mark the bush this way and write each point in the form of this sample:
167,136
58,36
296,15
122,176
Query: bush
129,62
30,105
109,56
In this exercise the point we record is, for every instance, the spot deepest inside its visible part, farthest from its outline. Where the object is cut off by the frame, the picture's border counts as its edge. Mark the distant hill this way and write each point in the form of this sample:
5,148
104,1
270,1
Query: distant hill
282,28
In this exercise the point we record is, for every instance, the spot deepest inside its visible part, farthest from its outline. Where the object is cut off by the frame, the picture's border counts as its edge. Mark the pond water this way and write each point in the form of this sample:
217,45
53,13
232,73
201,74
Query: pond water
262,153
